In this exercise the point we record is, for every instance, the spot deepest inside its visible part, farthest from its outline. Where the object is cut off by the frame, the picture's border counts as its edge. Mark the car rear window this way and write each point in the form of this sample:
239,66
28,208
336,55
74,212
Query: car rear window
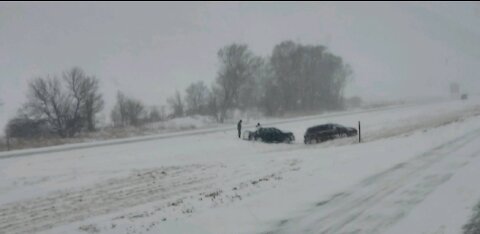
317,128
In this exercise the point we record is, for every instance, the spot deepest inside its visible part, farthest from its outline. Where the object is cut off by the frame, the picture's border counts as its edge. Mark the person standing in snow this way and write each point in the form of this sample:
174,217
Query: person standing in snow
258,126
239,127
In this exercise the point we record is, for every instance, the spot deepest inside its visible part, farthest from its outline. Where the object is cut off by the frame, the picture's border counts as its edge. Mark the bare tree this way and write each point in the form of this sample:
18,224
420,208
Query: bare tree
118,113
283,61
237,67
77,91
176,104
127,111
154,115
135,110
251,92
213,104
67,108
308,77
87,101
93,103
197,98
47,100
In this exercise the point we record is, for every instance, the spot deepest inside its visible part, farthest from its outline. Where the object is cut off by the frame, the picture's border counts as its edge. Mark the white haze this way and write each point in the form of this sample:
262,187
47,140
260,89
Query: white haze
149,50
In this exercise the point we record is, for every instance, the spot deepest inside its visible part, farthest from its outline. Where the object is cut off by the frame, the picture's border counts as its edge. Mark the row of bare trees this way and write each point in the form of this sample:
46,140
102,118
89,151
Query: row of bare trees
62,105
295,78
69,104
129,111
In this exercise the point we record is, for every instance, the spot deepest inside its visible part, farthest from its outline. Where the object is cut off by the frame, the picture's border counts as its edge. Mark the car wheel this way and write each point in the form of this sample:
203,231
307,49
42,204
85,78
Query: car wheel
291,139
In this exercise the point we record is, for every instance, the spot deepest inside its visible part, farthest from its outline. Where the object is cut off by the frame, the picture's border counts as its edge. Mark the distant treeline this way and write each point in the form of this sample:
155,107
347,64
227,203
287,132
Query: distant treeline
295,78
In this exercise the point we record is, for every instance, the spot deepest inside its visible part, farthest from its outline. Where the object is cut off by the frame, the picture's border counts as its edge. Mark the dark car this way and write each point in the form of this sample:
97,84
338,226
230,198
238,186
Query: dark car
270,135
327,132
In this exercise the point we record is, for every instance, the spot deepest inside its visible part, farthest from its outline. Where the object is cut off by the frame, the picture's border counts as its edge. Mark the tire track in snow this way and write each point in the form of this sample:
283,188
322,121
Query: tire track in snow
43,213
382,199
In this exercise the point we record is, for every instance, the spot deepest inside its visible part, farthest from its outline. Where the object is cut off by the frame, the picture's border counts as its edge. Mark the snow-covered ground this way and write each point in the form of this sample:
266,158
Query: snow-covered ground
415,172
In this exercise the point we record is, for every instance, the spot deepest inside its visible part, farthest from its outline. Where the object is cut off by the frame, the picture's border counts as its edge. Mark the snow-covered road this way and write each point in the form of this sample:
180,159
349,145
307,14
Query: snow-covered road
384,198
212,182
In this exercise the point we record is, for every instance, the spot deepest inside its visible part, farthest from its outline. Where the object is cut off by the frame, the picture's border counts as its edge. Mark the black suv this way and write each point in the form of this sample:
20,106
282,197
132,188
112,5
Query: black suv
270,135
327,132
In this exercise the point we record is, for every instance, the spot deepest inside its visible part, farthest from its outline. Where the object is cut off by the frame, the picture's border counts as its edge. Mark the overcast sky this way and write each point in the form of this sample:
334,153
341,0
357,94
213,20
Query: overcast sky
149,50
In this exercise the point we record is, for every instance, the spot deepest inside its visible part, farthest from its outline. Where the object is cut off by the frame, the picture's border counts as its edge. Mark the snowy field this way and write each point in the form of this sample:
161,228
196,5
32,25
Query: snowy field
415,172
